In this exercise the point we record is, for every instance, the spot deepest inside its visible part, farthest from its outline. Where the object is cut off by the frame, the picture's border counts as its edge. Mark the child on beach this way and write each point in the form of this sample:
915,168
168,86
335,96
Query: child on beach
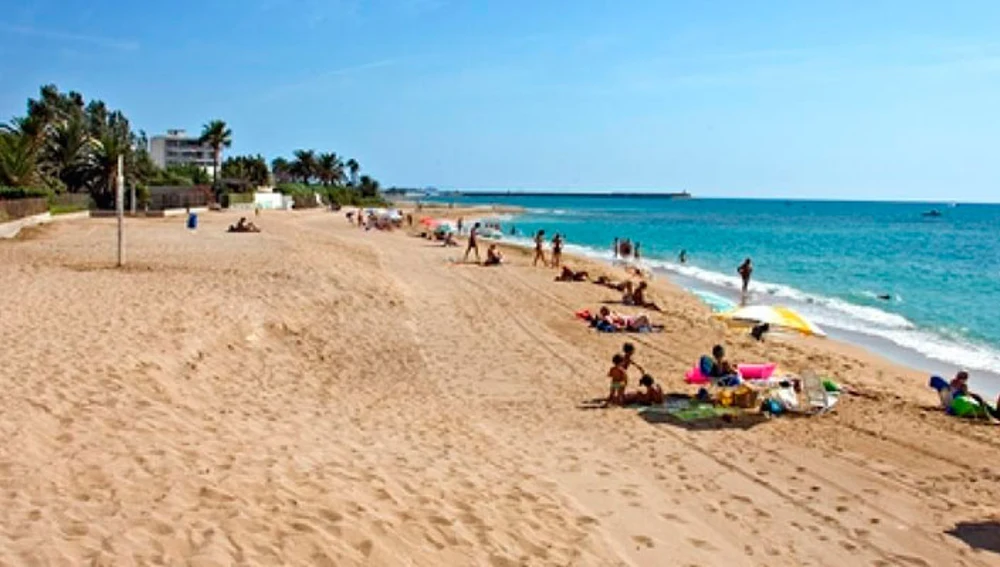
539,251
619,379
628,351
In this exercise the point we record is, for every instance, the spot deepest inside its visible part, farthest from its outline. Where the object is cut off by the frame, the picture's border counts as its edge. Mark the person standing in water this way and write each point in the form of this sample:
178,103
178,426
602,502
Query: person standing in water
745,270
539,251
614,247
635,252
557,245
683,257
473,243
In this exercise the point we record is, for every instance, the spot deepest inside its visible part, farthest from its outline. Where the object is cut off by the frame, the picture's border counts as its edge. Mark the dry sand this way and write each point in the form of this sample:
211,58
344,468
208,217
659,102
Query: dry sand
319,395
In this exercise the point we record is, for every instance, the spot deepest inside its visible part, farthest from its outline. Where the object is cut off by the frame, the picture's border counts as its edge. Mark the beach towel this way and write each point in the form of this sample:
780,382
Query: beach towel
689,411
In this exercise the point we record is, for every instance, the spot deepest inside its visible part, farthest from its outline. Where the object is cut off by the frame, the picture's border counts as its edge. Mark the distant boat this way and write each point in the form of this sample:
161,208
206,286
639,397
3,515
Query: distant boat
932,213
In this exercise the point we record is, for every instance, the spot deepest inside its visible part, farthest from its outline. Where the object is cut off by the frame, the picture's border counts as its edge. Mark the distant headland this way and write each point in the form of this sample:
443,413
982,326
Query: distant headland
592,194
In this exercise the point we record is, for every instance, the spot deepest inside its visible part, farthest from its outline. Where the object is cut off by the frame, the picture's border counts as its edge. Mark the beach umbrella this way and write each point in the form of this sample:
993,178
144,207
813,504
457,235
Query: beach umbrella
774,315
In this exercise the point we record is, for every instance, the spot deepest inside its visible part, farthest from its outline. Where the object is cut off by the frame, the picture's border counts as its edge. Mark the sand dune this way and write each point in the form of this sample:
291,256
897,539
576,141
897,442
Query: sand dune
319,395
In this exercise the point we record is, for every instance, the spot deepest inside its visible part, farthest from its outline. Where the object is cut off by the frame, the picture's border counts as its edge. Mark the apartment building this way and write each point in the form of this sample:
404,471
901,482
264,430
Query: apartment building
177,148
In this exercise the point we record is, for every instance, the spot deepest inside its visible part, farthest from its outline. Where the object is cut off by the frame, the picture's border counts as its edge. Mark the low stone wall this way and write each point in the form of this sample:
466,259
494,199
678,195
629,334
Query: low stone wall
13,228
149,214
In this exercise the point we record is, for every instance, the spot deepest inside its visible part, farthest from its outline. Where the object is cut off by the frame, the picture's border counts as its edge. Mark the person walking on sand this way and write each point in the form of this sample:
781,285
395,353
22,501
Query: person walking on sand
473,243
539,251
745,271
557,244
460,225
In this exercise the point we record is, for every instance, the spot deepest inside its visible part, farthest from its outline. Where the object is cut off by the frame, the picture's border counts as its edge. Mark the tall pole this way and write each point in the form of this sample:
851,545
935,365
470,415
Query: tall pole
120,208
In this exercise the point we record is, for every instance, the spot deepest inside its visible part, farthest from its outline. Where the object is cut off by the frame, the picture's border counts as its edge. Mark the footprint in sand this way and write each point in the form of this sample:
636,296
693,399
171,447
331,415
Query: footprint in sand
701,544
643,540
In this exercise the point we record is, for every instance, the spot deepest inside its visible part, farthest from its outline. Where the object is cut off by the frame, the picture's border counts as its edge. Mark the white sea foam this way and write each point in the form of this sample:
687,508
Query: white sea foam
828,312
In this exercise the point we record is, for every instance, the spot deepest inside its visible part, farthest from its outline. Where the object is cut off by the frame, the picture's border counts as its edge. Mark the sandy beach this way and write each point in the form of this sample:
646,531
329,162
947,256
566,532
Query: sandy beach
320,395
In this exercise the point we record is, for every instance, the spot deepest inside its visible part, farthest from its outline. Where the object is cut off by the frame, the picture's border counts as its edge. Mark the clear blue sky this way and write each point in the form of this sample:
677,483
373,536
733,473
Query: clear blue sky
866,99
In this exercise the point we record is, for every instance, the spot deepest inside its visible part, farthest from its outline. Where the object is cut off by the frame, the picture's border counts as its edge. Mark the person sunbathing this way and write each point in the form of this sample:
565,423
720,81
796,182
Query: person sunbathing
243,226
613,322
449,240
625,286
568,275
493,256
651,394
639,299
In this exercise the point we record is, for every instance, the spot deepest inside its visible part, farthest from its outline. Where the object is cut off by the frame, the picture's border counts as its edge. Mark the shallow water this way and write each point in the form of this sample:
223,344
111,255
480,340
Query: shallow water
831,260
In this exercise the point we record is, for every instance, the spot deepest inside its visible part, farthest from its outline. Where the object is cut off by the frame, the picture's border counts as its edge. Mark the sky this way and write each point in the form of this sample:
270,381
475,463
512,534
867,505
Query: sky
875,99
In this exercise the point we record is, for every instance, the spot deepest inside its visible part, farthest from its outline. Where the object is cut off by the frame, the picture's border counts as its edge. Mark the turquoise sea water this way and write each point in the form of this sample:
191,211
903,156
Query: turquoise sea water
830,260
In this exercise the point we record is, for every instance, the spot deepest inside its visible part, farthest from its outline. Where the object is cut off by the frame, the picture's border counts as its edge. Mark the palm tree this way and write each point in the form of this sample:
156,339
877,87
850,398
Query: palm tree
354,167
369,187
280,169
217,135
304,165
17,159
69,154
331,169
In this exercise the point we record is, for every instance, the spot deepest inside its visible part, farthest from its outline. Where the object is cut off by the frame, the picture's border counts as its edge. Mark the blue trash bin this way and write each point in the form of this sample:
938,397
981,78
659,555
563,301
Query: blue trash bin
192,223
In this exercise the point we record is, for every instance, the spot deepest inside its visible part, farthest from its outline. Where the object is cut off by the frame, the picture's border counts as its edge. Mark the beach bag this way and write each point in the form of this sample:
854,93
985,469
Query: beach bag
745,397
771,406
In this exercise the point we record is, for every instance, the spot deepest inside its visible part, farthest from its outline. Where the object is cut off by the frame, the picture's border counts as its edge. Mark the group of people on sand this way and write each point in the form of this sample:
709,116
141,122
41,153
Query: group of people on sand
493,255
557,247
624,248
651,392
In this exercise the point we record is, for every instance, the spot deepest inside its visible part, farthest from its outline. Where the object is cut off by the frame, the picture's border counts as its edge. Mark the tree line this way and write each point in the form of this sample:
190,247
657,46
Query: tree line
65,144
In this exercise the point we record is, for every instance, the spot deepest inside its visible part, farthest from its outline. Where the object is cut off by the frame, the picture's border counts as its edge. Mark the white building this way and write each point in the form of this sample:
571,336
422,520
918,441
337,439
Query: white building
177,148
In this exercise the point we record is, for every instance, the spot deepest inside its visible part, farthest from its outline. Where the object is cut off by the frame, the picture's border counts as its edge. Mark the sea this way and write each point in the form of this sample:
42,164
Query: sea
917,287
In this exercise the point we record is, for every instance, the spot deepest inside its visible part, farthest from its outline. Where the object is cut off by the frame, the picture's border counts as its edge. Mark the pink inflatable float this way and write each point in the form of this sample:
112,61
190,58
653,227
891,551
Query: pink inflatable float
756,371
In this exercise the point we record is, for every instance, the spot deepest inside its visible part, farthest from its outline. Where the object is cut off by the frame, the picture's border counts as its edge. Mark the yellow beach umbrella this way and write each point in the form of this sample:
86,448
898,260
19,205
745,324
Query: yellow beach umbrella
774,315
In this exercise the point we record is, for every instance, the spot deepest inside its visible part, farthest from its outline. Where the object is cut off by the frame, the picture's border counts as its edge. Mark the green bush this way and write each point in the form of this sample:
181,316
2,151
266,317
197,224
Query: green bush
11,193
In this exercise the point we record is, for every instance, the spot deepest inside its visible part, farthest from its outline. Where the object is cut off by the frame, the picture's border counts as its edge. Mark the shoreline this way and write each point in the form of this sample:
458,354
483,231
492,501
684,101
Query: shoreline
985,382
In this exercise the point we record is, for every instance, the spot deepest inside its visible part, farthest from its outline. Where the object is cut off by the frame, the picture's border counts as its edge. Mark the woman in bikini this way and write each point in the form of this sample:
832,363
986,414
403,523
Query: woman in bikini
539,251
557,244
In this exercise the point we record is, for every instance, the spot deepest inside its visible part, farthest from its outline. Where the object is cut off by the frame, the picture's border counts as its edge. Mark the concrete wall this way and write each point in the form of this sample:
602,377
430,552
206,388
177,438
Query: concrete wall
272,201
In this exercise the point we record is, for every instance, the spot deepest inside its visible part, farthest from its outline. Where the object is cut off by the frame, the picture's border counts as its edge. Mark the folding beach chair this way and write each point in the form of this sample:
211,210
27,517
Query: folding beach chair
820,400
